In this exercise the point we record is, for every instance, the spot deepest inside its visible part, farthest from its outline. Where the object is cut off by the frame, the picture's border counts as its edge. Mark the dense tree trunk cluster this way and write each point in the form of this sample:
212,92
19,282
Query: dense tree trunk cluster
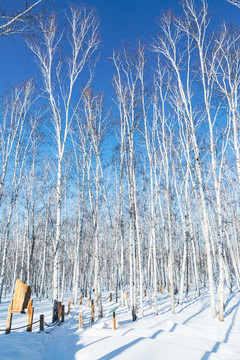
161,209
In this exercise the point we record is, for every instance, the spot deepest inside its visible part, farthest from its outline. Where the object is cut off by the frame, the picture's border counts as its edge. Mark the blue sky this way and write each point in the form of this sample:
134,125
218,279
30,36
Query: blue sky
119,20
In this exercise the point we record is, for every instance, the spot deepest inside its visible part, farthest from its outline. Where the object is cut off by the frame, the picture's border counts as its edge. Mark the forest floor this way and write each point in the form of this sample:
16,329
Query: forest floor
191,333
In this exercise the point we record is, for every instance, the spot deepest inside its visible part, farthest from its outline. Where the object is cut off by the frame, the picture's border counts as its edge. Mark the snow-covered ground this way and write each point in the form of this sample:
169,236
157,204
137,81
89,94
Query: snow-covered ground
189,334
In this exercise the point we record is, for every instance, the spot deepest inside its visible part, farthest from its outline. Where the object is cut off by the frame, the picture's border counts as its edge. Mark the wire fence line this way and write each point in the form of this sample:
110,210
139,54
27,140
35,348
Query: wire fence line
57,322
22,327
89,323
53,324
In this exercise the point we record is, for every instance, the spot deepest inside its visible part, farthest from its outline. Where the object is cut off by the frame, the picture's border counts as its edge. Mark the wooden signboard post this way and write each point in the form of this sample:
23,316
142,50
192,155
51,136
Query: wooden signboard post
113,311
21,304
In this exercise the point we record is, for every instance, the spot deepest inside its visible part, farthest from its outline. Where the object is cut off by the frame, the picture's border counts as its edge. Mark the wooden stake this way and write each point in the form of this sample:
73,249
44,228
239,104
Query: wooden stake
161,290
127,294
110,296
41,328
63,313
80,302
9,319
59,309
92,314
88,302
80,320
69,306
30,316
145,292
114,321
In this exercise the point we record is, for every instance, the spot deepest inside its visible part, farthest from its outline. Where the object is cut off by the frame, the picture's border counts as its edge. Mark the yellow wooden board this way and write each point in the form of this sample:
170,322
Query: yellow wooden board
22,296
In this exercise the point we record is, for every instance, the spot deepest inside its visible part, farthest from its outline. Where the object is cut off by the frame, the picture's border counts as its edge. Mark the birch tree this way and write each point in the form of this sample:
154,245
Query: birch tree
126,84
80,147
150,135
17,112
168,44
60,78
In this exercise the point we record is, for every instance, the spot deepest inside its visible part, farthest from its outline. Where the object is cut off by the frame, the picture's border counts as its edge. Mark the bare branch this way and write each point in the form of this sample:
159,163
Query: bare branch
234,2
10,22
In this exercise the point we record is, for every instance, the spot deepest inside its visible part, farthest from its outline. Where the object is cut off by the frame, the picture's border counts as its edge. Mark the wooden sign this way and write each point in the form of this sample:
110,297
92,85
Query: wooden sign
114,309
22,297
21,303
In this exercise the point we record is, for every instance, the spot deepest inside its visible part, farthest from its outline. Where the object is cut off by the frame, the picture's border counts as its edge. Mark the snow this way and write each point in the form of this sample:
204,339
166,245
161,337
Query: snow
191,333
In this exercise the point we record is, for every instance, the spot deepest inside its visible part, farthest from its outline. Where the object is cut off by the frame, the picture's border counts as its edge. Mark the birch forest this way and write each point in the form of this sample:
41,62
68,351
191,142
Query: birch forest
138,191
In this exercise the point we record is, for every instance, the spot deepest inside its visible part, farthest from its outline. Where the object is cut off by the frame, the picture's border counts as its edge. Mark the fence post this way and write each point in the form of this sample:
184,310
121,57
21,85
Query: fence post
41,323
59,309
92,315
9,319
80,300
63,313
145,292
110,296
30,316
127,294
114,320
69,306
88,302
80,320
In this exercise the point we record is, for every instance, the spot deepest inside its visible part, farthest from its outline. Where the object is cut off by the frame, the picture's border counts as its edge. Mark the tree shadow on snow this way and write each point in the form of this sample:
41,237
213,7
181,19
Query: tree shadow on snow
126,332
122,324
120,350
96,341
156,334
227,313
231,296
218,343
194,315
190,303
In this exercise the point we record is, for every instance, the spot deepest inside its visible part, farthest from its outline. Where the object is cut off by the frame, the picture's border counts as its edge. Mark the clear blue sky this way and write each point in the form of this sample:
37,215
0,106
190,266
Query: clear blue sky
120,20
